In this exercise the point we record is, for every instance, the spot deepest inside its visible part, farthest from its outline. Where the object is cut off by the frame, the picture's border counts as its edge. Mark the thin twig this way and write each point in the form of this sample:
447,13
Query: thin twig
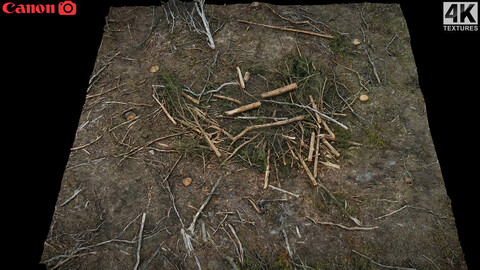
140,241
191,228
284,191
288,29
382,265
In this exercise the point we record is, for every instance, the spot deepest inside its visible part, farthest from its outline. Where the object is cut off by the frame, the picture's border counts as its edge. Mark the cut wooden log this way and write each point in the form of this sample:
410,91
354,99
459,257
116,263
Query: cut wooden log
244,108
312,145
279,91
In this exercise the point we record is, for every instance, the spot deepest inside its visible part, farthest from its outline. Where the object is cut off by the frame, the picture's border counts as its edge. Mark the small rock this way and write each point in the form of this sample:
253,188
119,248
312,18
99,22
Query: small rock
356,41
364,98
154,69
151,152
255,4
187,181
408,180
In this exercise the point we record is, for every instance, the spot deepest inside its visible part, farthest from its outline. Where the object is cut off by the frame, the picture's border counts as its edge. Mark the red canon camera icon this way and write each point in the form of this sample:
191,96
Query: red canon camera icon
67,8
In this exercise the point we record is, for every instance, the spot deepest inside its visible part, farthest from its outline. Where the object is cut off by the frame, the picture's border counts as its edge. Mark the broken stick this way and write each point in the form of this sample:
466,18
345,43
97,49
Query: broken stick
185,95
279,91
228,98
274,124
164,110
267,171
240,77
244,108
309,173
288,29
312,145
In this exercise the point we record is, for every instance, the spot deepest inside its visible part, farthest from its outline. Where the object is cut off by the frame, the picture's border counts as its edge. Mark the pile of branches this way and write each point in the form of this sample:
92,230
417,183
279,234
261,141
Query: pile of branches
287,125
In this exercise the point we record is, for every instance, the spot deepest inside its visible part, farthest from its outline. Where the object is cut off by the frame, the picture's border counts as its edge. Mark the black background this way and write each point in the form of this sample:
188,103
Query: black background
47,60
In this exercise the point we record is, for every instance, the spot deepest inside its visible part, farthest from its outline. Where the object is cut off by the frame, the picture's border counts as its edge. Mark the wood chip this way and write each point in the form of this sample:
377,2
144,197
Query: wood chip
154,69
187,181
364,98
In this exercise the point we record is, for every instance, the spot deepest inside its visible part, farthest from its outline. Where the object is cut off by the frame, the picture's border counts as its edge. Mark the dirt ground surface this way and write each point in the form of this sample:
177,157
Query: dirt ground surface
123,203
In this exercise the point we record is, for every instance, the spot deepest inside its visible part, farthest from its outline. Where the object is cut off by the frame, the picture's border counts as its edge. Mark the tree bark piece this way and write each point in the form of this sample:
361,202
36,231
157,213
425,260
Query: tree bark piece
244,108
279,91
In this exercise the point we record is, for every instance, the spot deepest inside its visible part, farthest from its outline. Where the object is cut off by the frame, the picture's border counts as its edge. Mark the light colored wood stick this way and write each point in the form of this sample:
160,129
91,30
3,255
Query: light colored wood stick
312,145
238,148
240,77
164,110
278,123
355,228
244,108
309,173
205,135
267,171
191,228
279,91
228,98
194,100
140,241
314,105
332,135
284,191
288,29
315,162
329,164
330,147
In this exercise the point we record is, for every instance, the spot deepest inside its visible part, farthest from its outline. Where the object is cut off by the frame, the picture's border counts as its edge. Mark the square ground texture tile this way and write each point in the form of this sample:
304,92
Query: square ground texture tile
254,136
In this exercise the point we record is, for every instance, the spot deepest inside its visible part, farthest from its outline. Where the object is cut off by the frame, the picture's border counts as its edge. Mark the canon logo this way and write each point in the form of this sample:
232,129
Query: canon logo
64,8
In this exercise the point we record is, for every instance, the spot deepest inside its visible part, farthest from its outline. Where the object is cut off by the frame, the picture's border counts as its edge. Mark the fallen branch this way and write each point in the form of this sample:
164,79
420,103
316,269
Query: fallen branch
279,123
355,228
191,228
240,77
381,265
140,241
190,98
75,193
284,191
164,109
308,108
309,173
244,108
330,147
267,170
238,148
311,148
279,91
241,255
228,98
288,29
